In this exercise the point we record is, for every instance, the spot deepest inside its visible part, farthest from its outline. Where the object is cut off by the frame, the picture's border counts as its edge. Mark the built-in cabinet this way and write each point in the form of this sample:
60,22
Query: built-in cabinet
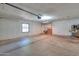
75,30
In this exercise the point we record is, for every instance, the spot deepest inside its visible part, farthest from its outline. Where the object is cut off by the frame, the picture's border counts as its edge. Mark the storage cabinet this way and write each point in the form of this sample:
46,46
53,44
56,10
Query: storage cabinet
75,30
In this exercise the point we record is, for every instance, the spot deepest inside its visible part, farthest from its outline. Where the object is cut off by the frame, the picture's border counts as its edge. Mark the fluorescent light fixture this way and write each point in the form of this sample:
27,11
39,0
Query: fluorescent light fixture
46,17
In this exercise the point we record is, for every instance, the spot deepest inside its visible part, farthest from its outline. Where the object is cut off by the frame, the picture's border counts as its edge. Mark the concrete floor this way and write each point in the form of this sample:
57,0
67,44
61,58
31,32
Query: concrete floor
43,45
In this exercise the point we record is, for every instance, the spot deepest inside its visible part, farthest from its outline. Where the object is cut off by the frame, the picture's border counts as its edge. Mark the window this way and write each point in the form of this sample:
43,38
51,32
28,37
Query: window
25,27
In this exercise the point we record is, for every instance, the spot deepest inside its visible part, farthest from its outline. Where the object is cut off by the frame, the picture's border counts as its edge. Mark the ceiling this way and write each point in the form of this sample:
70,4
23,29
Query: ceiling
60,11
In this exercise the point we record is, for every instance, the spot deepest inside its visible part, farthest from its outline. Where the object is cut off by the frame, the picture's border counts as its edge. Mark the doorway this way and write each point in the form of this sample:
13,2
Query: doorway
47,29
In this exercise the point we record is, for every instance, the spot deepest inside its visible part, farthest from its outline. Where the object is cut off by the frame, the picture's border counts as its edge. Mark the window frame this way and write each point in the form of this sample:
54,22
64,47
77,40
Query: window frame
26,28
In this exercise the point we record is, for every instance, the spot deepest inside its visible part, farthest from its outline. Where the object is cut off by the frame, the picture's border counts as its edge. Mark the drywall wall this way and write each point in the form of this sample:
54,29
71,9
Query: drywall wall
62,27
12,29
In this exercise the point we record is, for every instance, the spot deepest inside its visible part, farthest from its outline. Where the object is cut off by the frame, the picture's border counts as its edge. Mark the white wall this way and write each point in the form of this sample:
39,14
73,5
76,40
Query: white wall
62,27
11,28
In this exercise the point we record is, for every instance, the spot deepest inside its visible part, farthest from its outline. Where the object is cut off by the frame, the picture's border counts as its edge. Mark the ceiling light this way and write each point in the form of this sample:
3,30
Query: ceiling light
46,17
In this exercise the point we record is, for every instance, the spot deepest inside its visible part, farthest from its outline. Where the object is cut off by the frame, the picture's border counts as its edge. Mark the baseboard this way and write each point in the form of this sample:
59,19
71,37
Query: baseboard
15,37
61,35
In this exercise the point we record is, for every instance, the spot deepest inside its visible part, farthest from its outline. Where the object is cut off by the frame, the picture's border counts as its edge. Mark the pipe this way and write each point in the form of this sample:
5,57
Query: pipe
38,16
